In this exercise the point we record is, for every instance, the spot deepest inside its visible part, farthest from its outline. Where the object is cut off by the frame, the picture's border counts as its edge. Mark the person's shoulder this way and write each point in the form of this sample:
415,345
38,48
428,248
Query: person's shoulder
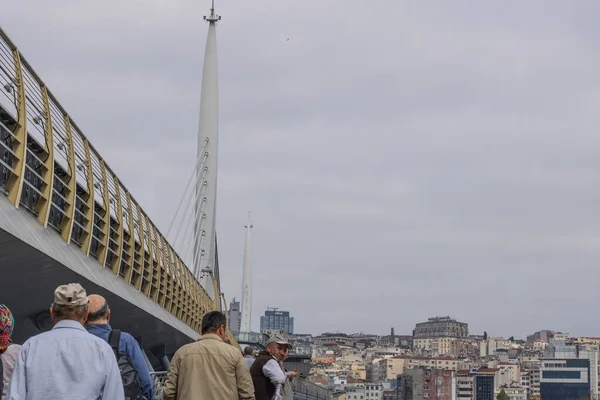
99,343
12,351
231,350
229,353
271,361
92,337
184,351
34,340
130,342
127,337
186,348
205,345
13,348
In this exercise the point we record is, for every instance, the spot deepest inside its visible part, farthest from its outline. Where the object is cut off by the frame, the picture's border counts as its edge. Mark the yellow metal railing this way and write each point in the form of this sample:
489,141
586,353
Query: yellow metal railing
82,197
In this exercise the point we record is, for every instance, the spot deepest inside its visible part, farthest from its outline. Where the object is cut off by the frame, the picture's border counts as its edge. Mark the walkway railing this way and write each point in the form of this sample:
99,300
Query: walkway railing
158,380
302,388
252,337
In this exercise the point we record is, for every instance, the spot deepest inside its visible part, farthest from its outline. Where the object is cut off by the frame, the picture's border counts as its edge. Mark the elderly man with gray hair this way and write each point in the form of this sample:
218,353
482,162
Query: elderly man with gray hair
268,374
67,362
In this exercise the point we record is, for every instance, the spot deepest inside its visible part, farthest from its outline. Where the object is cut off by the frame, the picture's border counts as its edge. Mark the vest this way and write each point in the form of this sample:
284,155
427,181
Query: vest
263,387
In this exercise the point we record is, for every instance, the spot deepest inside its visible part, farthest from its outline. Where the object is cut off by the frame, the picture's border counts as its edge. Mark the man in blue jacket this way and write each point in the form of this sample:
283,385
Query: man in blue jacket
98,325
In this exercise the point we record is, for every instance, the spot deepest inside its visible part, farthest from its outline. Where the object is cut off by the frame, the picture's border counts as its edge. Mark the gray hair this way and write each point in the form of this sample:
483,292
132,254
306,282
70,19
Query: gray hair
76,313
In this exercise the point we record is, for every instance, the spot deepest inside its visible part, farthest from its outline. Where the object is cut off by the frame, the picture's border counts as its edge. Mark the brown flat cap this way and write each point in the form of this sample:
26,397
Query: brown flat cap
72,294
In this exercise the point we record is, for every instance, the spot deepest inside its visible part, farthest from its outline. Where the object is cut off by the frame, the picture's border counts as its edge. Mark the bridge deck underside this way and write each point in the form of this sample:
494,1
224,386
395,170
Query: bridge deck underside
34,261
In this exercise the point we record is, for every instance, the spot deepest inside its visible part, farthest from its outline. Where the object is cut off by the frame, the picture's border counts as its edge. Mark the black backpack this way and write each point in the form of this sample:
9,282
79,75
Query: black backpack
130,377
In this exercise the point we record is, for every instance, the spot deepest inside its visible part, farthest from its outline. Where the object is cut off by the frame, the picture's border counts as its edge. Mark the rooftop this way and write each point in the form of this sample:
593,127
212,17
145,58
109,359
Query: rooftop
487,371
442,358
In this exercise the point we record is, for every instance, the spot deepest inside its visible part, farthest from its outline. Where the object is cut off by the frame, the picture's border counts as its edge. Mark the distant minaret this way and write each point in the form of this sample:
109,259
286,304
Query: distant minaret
247,284
205,246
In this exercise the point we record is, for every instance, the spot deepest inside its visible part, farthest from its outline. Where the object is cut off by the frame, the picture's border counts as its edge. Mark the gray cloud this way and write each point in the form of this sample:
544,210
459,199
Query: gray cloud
402,161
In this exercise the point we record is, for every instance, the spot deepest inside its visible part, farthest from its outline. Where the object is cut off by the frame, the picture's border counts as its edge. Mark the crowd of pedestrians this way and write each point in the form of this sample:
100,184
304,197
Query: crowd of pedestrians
211,369
84,358
74,360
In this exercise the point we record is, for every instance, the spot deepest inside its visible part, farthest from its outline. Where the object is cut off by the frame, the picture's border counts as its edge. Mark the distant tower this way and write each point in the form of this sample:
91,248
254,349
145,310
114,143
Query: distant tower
205,238
247,284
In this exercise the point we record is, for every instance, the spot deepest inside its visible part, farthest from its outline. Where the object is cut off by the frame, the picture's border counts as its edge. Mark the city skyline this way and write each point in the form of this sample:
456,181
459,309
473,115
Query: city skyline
518,335
443,160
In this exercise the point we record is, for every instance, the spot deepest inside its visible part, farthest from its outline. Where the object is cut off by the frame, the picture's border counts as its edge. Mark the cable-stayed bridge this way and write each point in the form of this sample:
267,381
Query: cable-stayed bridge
66,217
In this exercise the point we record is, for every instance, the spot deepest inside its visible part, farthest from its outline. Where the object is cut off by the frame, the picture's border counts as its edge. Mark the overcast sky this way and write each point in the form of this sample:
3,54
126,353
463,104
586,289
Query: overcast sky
401,159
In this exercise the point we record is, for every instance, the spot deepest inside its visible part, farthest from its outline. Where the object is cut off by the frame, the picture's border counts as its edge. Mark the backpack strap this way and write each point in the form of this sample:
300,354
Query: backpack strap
114,337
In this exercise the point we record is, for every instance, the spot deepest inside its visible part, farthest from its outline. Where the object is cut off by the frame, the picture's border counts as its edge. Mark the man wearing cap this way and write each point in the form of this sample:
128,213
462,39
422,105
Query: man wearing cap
267,372
67,362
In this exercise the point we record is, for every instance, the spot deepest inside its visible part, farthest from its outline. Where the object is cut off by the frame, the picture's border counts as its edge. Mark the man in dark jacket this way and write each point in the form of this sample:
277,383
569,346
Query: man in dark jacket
267,372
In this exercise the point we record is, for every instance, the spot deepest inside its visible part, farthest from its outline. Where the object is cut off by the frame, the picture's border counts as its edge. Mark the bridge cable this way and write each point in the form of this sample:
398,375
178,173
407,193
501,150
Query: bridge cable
189,223
188,185
185,216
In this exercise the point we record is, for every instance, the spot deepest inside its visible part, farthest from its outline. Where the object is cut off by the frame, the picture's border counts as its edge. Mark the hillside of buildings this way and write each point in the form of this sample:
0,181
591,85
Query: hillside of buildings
442,360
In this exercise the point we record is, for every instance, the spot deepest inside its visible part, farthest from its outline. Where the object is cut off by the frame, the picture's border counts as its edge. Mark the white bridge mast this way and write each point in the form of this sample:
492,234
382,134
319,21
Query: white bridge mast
206,170
246,320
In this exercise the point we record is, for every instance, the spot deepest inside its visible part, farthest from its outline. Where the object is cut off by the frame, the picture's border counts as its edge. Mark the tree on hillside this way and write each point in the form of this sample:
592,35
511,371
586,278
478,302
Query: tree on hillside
502,395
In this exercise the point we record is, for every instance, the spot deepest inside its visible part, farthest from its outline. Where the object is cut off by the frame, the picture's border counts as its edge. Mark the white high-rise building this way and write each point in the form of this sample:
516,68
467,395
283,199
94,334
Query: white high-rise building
247,284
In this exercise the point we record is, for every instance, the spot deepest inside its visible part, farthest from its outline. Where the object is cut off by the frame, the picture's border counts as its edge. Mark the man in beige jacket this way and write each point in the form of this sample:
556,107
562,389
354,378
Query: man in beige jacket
209,369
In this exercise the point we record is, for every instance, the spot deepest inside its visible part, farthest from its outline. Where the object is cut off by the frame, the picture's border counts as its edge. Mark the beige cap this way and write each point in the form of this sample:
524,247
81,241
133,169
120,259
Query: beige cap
72,294
279,340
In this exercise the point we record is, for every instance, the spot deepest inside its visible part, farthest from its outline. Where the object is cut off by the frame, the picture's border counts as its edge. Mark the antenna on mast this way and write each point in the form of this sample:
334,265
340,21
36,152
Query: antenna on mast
248,225
212,17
